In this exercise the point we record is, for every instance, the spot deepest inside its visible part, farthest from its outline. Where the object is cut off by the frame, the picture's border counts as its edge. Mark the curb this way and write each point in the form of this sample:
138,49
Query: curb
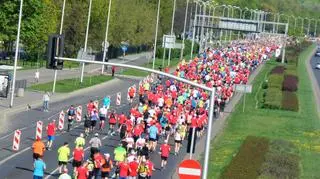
314,83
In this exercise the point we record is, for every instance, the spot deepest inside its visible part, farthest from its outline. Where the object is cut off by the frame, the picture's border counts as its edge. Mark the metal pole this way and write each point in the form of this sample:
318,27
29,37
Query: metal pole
61,27
194,30
225,37
184,30
208,139
202,28
232,16
284,44
172,24
239,18
86,40
295,24
274,26
315,29
192,142
106,37
244,100
139,68
156,36
308,31
16,55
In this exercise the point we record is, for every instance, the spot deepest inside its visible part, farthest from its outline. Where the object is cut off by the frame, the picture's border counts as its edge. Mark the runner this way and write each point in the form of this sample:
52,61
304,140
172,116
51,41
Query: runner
94,118
38,148
82,172
124,169
164,152
98,160
87,125
106,167
71,114
103,111
153,132
46,99
134,165
51,130
80,141
177,141
78,156
95,143
39,168
143,169
65,174
63,157
112,122
150,167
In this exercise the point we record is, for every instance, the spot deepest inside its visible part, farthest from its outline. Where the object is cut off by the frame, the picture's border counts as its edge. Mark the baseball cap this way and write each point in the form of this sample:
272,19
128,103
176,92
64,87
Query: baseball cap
96,134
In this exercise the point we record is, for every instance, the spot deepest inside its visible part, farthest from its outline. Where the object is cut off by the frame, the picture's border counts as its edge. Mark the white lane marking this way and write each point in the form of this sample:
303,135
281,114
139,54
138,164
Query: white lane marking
13,155
189,171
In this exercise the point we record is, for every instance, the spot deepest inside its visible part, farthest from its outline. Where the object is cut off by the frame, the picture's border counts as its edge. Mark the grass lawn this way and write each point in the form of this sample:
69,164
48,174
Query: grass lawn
173,63
302,128
69,85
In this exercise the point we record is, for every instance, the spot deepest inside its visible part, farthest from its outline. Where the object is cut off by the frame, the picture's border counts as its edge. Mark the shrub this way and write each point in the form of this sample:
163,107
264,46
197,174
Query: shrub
290,83
281,161
249,159
277,70
273,98
291,70
264,85
290,101
275,81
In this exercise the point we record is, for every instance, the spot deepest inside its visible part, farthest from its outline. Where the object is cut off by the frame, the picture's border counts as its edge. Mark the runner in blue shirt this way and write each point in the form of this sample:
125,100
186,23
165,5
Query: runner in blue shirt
39,167
153,132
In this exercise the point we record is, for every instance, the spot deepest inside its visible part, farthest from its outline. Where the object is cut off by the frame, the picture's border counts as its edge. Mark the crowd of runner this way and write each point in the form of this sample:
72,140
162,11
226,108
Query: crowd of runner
165,110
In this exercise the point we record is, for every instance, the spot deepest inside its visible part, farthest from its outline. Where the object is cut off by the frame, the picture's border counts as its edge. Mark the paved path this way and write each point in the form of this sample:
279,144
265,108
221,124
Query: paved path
314,75
46,75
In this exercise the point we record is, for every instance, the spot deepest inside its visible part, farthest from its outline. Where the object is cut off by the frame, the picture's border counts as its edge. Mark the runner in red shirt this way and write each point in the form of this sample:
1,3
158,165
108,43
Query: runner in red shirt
133,168
123,170
164,152
51,130
78,156
150,166
82,172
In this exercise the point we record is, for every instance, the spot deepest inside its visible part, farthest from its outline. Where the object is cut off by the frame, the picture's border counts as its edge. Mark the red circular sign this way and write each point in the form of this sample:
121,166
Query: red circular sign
189,169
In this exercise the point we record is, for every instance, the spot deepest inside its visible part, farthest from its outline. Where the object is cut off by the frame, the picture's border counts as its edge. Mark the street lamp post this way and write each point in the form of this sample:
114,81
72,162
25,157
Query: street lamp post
156,35
232,16
184,30
194,28
61,28
172,25
86,40
106,37
225,37
16,55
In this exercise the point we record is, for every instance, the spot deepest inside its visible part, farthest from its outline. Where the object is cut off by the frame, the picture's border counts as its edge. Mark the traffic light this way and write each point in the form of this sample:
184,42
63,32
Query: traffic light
55,49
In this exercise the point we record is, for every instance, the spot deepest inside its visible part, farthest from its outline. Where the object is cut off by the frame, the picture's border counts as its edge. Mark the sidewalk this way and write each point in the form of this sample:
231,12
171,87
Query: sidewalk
35,98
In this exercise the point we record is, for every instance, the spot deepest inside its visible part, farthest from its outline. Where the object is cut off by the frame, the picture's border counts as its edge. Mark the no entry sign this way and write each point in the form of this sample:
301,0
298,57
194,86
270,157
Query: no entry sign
189,169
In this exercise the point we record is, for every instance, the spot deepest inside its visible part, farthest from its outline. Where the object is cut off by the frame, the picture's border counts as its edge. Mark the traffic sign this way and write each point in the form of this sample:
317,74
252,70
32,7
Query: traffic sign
189,169
243,88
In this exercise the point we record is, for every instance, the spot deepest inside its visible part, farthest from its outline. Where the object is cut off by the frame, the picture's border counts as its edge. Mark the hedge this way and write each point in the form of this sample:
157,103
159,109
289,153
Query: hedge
291,70
248,161
273,98
281,161
290,101
275,81
290,83
278,70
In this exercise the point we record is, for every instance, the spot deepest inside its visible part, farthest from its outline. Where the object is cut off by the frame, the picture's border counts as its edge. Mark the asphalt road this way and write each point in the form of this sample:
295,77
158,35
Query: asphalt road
19,165
316,72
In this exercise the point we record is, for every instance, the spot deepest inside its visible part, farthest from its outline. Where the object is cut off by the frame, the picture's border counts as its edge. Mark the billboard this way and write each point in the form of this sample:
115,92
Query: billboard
238,25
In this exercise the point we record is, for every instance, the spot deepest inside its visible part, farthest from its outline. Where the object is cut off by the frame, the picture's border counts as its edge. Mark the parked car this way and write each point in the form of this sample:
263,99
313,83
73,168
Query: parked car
317,66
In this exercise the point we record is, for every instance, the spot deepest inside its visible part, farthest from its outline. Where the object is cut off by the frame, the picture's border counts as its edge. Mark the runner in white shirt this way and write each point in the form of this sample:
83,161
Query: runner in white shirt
103,111
177,141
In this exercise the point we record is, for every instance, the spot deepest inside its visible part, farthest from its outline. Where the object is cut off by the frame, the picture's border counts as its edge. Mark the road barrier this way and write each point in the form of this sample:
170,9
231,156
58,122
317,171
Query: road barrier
61,120
118,101
39,130
16,140
79,113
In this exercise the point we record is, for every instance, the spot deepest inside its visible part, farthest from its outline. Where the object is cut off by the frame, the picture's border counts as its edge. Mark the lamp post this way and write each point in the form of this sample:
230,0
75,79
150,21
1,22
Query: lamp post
201,42
194,27
184,29
240,15
16,55
61,28
106,37
172,25
86,40
225,37
156,35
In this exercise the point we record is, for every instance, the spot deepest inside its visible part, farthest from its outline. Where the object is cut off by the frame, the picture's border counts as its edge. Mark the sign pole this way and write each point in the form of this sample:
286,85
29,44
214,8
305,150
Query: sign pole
244,102
16,55
192,142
